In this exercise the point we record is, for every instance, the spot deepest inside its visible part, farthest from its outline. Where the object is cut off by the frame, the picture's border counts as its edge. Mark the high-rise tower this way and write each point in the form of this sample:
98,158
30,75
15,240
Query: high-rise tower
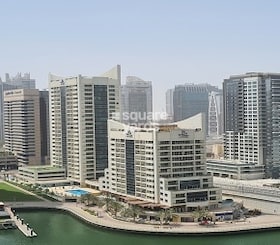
190,99
169,103
136,101
79,109
215,112
252,120
18,82
22,125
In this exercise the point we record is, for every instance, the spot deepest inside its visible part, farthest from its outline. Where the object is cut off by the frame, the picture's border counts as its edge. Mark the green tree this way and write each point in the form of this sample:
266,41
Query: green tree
82,199
93,199
165,215
100,202
160,215
168,213
108,200
201,213
133,211
115,207
89,199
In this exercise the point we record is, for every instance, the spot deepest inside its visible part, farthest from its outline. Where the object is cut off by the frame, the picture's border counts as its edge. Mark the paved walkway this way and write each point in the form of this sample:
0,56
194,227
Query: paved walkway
104,220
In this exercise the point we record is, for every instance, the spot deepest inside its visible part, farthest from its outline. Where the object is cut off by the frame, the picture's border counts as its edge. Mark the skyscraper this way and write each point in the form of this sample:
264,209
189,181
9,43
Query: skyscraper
169,103
136,101
10,83
252,120
79,109
21,81
215,114
22,125
191,99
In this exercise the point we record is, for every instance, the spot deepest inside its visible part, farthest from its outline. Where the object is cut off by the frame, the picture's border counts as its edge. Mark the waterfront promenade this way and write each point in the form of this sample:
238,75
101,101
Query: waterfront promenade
106,221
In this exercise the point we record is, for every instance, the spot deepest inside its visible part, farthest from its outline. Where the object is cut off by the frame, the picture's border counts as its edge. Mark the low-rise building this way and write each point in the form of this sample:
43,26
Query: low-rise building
234,169
37,174
164,164
262,194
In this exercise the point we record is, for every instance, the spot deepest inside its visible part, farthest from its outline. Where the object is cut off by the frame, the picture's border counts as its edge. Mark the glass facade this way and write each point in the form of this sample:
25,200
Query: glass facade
101,134
191,99
130,174
63,126
273,123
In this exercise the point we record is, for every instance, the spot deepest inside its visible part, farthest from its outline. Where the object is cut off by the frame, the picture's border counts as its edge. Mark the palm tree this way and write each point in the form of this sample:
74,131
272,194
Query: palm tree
89,199
82,199
168,213
201,213
134,211
165,215
115,207
108,200
160,215
100,202
86,198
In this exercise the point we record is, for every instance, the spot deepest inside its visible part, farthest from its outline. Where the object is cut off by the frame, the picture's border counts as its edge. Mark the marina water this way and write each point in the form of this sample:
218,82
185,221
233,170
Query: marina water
59,228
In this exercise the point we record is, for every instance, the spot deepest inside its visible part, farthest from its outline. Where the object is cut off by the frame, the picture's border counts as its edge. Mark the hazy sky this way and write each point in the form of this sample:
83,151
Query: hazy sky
165,41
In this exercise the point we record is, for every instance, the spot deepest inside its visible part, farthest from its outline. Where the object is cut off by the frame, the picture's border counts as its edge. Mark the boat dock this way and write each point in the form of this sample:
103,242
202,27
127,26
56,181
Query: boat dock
24,228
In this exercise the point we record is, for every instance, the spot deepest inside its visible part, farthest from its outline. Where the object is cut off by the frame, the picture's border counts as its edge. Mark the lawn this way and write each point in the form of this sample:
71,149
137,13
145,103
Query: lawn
13,194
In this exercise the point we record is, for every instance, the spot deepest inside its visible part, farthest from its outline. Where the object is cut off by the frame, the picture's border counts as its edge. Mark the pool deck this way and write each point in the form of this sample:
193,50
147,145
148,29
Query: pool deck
63,191
77,192
254,224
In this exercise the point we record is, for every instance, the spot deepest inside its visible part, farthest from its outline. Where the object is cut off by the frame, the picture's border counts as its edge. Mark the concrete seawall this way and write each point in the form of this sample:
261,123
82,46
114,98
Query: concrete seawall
261,223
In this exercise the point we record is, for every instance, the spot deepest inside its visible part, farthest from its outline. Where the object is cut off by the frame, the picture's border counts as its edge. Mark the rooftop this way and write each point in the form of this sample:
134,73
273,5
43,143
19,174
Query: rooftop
231,162
256,74
42,168
257,182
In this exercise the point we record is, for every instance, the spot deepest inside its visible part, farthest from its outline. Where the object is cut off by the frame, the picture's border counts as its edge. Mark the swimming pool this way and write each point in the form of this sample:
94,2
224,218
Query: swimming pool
77,192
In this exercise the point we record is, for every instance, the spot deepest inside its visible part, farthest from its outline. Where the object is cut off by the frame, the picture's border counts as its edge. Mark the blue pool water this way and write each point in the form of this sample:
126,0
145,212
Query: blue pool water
77,192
